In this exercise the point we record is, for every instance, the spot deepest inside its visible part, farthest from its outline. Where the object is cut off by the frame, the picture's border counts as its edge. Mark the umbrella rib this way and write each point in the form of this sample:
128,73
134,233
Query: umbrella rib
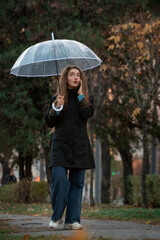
33,61
59,59
48,75
53,58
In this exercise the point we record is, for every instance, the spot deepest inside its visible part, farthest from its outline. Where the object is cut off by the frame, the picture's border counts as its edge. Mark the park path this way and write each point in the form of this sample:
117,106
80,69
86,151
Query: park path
37,225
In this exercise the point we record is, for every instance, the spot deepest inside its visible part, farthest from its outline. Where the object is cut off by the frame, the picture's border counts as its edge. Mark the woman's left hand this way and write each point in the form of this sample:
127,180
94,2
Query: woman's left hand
80,92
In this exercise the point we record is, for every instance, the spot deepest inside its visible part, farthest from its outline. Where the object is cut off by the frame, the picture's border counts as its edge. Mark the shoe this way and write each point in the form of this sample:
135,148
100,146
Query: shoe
73,226
55,225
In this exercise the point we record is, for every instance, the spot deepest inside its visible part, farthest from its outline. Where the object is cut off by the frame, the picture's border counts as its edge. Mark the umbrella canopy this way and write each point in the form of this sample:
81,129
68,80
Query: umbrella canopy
50,57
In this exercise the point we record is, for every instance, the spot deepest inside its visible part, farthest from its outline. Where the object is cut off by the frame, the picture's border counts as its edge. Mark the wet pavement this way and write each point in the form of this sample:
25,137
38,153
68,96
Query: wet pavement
120,230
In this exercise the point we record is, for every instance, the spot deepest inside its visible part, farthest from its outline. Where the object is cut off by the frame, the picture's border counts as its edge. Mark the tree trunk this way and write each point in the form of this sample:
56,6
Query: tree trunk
48,170
6,169
28,164
24,190
144,166
106,173
92,202
127,170
154,141
46,149
25,175
21,166
154,155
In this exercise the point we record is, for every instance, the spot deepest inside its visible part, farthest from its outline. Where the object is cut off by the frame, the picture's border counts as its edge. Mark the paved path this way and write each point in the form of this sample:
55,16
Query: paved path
36,225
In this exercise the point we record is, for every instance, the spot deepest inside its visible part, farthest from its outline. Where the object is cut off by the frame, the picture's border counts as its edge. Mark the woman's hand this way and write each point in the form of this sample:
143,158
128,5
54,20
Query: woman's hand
80,92
60,101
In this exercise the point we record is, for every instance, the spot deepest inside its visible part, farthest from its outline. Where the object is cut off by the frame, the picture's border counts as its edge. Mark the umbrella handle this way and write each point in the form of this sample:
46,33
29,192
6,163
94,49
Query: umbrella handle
57,109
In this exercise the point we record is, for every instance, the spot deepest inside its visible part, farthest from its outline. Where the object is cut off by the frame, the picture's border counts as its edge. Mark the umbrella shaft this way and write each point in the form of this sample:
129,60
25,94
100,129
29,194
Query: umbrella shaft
57,76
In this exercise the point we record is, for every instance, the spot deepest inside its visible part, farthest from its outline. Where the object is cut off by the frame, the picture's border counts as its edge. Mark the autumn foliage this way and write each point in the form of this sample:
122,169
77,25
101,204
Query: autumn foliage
133,57
134,52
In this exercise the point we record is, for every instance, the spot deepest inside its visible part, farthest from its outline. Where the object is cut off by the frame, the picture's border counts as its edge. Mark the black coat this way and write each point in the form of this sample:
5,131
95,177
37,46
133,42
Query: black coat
11,179
70,144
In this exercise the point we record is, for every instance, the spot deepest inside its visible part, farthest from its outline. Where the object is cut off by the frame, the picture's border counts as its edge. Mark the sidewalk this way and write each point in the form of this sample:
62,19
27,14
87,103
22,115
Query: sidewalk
36,225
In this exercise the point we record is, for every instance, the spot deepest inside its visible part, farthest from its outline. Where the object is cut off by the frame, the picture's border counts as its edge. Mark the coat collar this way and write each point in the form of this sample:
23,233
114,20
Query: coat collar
73,91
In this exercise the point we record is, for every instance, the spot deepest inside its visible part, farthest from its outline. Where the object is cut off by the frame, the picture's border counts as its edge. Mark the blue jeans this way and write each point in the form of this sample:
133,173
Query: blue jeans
67,192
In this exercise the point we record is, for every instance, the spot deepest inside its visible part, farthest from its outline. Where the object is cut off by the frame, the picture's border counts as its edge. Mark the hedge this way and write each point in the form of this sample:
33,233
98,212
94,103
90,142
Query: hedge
10,192
152,190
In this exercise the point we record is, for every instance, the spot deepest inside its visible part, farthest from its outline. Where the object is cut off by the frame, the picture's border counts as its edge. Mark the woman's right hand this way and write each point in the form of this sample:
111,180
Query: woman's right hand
60,101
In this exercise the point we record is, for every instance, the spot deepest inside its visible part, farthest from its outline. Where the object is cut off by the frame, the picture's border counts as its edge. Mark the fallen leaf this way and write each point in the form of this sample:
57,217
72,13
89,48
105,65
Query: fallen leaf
26,237
82,235
148,222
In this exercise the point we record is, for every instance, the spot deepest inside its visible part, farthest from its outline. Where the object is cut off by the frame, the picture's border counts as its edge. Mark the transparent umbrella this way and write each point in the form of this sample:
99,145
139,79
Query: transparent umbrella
50,57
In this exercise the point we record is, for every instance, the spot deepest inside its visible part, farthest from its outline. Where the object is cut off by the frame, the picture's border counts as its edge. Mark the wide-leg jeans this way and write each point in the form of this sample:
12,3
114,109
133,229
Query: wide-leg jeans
66,191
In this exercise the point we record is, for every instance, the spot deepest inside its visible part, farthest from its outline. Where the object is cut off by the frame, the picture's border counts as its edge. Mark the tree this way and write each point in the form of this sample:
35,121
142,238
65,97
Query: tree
113,121
134,51
106,172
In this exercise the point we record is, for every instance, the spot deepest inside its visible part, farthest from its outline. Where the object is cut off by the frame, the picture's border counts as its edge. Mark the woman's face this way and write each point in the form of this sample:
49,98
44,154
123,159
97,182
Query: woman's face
74,78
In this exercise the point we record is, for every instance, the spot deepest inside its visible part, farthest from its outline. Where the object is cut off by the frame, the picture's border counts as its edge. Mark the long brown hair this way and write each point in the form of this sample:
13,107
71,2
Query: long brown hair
63,84
62,90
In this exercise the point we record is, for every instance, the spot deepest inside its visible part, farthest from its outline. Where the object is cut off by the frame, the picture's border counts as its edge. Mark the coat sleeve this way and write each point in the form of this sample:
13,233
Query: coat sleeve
87,112
51,115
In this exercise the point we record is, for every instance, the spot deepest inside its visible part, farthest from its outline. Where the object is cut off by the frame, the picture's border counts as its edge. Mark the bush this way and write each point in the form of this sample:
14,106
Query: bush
152,188
39,191
134,196
10,192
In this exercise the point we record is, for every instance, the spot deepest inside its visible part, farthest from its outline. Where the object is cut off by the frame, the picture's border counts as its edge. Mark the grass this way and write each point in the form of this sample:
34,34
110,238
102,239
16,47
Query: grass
100,211
125,213
34,209
6,236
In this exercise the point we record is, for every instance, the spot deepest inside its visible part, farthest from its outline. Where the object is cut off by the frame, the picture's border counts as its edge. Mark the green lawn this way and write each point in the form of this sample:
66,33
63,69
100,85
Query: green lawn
7,236
101,211
43,209
148,216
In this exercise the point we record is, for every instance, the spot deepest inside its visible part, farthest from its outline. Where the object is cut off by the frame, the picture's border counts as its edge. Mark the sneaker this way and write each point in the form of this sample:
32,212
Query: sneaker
55,225
73,226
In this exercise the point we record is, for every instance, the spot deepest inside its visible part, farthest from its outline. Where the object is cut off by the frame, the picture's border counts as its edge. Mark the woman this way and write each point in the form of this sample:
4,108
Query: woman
70,151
